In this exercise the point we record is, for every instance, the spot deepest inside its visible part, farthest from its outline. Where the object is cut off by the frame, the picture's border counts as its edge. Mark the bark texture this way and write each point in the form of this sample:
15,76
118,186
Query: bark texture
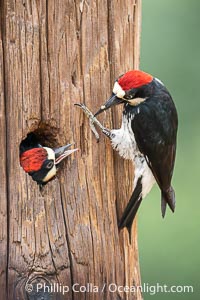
52,55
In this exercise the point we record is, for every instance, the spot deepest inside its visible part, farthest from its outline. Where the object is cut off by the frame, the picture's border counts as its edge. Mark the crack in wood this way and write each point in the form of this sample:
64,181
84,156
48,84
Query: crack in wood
3,72
68,242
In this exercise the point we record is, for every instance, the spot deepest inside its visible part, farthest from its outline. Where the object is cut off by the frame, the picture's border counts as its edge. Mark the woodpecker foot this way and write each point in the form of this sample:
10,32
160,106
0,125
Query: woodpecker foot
93,120
107,132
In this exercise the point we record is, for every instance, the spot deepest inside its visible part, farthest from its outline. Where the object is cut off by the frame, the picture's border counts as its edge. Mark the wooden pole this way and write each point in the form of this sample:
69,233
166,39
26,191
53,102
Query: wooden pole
52,55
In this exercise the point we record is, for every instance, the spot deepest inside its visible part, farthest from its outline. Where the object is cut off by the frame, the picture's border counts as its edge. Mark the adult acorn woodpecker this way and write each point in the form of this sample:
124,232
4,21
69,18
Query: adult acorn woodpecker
147,137
41,162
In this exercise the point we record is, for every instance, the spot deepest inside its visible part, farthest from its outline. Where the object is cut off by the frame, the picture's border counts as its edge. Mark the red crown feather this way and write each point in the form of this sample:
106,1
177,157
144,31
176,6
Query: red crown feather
134,79
32,160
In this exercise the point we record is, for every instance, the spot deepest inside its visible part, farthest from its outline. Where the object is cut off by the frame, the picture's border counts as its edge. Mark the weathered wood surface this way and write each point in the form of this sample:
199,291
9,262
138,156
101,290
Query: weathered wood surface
52,55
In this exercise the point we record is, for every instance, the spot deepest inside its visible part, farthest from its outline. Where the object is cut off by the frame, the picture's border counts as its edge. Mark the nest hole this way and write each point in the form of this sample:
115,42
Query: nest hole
44,134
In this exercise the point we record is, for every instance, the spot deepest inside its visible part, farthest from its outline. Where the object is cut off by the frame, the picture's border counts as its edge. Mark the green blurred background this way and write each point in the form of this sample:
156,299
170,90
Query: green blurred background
170,50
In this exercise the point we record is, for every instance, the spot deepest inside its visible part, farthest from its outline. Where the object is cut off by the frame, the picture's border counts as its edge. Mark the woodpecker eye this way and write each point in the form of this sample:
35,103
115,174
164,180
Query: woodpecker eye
128,97
130,94
50,164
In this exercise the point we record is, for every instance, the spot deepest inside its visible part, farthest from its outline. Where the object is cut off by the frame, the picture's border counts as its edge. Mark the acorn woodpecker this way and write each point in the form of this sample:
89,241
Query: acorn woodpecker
147,137
41,162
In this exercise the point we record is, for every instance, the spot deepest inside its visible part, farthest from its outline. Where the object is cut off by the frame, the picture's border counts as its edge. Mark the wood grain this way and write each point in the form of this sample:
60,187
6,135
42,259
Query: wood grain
52,55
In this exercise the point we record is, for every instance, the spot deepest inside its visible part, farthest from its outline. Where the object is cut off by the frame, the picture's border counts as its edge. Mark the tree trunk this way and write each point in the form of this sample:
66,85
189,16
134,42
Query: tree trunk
54,54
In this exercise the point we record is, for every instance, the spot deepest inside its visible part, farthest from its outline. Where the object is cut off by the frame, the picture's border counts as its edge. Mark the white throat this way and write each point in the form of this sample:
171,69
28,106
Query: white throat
52,172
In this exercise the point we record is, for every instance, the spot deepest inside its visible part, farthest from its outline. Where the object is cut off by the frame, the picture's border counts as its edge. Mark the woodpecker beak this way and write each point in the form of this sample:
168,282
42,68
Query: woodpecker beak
62,152
113,100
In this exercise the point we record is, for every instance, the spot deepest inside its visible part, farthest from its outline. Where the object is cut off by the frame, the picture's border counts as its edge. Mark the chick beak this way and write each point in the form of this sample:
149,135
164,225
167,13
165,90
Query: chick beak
113,100
62,152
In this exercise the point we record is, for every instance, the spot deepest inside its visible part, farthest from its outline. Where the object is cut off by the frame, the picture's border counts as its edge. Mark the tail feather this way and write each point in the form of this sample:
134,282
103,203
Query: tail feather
131,208
168,197
163,206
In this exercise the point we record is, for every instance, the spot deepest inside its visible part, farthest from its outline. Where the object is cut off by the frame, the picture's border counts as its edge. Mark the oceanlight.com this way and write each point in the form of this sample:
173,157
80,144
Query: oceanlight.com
112,288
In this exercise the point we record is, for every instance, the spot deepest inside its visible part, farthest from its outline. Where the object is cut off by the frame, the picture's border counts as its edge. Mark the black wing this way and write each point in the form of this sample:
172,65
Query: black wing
155,130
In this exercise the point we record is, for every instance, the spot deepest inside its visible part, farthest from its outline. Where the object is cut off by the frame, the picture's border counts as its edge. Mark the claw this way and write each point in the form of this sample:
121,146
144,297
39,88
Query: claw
93,120
94,129
107,132
85,109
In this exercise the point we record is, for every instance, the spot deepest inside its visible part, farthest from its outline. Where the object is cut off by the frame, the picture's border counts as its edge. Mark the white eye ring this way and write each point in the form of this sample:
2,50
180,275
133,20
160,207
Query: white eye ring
49,165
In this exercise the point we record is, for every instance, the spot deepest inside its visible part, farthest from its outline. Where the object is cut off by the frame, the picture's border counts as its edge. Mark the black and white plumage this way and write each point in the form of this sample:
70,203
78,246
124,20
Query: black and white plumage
41,162
147,137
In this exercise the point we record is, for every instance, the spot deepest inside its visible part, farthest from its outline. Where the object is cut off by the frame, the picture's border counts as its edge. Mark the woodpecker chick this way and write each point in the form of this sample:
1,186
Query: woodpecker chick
41,163
147,137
